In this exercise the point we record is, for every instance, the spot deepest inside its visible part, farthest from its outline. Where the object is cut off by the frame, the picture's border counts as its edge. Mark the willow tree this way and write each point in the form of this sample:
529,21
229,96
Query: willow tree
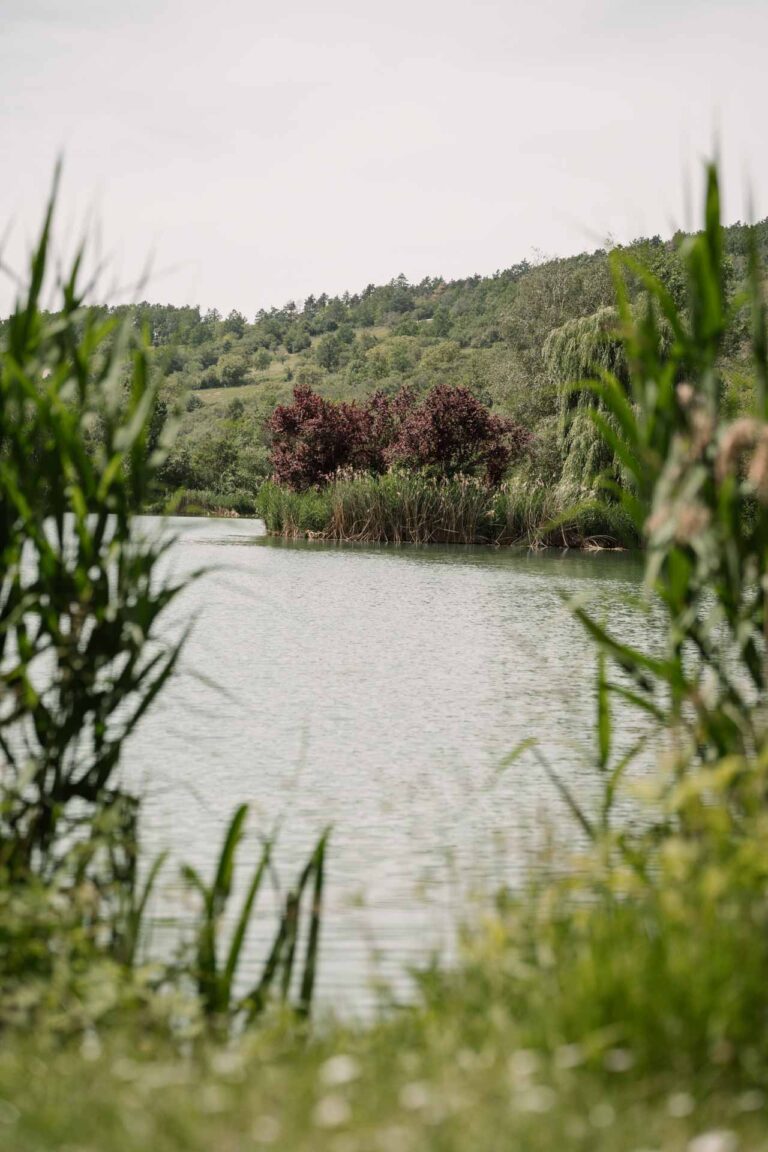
581,350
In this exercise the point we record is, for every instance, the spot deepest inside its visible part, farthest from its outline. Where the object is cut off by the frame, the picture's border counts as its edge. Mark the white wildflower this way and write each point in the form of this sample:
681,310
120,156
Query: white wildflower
523,1064
717,1140
339,1070
415,1096
602,1115
569,1056
680,1104
332,1111
618,1060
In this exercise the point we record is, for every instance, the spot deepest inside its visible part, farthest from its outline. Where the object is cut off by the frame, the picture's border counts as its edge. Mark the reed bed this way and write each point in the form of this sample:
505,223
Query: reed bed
407,508
294,514
413,508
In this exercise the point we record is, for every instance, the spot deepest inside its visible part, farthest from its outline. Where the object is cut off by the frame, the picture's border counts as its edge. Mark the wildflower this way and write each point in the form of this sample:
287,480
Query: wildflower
618,1060
602,1115
680,1104
332,1111
569,1056
339,1070
718,1140
415,1096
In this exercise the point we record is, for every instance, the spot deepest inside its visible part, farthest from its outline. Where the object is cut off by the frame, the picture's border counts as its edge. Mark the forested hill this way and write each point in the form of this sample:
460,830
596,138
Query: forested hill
490,333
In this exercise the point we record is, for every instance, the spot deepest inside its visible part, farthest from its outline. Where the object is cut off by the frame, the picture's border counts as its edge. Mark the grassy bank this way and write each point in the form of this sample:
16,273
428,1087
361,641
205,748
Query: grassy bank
407,1087
408,508
607,1012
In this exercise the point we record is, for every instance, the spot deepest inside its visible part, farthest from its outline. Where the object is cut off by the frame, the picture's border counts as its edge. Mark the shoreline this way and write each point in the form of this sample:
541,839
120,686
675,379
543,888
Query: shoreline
590,544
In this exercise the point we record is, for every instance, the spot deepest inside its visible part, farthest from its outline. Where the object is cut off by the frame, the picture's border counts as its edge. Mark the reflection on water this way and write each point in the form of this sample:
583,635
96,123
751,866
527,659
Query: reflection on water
376,689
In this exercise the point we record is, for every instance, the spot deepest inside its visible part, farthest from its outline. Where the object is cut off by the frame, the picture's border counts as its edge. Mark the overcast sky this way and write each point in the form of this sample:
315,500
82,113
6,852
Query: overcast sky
257,152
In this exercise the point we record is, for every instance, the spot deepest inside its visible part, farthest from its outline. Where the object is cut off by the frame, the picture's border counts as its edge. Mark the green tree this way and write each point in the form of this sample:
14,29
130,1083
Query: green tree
233,370
330,351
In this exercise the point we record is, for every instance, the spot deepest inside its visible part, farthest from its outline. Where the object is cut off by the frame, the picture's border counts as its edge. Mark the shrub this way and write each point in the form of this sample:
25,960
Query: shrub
452,432
449,433
313,438
233,370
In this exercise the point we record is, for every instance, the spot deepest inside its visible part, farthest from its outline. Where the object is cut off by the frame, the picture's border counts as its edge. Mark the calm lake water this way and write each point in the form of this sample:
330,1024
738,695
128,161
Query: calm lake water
377,689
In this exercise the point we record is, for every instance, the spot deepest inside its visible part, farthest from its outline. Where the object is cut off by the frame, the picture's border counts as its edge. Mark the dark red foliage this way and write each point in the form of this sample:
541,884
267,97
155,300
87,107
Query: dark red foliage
452,432
313,438
448,433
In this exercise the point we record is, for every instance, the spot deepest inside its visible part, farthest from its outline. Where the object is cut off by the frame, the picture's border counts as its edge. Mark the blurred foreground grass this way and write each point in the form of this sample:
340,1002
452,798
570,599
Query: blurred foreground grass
413,1083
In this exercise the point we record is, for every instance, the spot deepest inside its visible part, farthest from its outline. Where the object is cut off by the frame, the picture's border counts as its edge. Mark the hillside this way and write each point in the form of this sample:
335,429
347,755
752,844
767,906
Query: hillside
224,375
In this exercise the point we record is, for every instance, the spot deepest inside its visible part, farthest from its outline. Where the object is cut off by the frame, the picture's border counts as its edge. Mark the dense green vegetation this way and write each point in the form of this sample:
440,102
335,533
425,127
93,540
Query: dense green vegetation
83,655
619,1002
515,339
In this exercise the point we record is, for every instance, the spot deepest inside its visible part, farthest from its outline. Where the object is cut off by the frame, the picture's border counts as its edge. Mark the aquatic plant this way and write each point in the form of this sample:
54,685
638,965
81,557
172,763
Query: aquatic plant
215,976
406,507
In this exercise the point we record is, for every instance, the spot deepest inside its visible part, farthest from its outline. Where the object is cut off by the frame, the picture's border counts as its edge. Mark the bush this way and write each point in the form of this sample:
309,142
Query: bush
313,438
233,370
210,379
452,432
449,433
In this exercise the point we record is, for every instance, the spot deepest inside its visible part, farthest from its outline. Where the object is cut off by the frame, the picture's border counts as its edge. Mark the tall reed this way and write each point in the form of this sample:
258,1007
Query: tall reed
406,507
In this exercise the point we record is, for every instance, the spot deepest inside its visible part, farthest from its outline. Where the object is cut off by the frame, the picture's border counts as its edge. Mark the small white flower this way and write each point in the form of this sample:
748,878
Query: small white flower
618,1060
339,1070
602,1116
415,1096
523,1064
569,1056
228,1064
680,1104
717,1140
90,1049
332,1112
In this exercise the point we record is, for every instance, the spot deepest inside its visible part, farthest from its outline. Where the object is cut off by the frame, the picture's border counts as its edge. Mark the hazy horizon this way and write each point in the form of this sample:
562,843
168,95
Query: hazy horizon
257,156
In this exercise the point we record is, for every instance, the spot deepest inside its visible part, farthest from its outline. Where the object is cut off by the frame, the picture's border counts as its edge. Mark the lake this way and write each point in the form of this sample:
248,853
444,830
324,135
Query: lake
376,689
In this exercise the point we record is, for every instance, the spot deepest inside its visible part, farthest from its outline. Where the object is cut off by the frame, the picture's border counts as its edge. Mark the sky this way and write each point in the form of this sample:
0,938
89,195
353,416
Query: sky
243,153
